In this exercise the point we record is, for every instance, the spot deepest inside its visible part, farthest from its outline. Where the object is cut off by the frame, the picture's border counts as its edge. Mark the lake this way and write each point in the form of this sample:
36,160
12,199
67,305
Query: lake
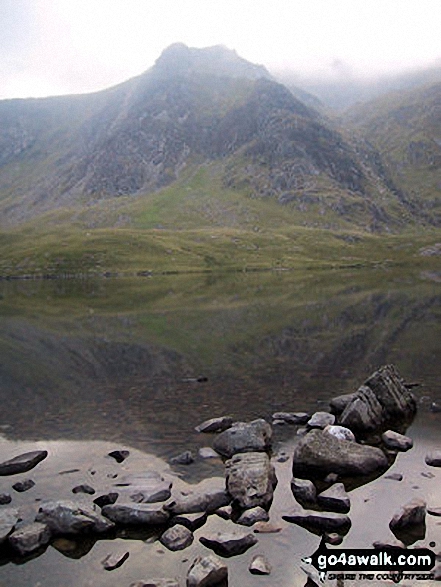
88,366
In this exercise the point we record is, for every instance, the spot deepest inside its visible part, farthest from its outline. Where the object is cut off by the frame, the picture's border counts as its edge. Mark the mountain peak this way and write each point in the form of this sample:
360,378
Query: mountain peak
179,59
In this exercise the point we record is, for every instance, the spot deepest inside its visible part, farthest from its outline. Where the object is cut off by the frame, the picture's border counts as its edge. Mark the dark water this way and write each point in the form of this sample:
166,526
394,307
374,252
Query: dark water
89,366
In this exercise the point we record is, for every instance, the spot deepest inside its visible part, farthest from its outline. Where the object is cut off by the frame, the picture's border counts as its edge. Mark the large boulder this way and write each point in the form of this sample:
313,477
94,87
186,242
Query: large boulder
383,398
318,453
244,437
250,479
70,517
410,519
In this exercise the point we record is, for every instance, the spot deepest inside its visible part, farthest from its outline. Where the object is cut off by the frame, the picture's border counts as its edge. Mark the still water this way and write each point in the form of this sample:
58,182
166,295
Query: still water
90,366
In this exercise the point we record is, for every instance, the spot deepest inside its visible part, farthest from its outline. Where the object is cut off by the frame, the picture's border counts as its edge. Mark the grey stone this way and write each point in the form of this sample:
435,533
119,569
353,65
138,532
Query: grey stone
114,561
259,565
253,515
9,517
396,441
266,528
321,420
30,538
340,432
83,489
303,490
228,543
70,517
335,499
408,516
135,514
244,437
177,537
190,521
5,498
295,418
394,477
317,454
250,479
147,487
206,452
319,521
206,571
105,499
22,486
206,496
225,512
22,463
156,583
381,399
433,459
185,458
339,403
215,424
119,455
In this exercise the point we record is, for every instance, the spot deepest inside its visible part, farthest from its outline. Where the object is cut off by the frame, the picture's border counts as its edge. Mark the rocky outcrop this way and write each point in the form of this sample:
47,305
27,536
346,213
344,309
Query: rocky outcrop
250,479
317,454
382,399
244,437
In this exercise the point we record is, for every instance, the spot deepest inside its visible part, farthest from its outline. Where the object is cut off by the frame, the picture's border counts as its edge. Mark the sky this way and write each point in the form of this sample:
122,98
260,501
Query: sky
55,47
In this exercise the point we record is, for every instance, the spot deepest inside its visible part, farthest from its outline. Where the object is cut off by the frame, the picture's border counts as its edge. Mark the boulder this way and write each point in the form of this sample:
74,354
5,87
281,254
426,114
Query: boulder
228,543
114,561
206,571
303,490
135,514
70,517
206,496
215,424
9,517
250,479
259,565
244,437
408,517
317,454
335,499
321,420
30,538
396,441
433,459
22,463
177,537
381,399
253,515
341,433
319,522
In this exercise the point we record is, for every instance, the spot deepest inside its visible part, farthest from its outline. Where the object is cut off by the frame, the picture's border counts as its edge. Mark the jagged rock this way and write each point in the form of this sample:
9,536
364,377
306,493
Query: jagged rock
433,459
206,571
22,486
321,420
119,455
250,479
190,521
409,516
5,498
156,583
396,441
340,432
185,458
319,521
206,496
206,452
177,537
9,517
83,489
114,561
303,490
295,418
22,463
335,499
317,454
339,403
382,398
259,565
229,543
215,424
253,515
70,517
30,538
135,514
244,437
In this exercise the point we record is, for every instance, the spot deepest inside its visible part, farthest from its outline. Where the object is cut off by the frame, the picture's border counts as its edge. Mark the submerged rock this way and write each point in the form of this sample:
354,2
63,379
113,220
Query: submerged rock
244,437
119,455
206,571
70,517
22,463
250,479
30,538
215,424
229,543
317,454
185,458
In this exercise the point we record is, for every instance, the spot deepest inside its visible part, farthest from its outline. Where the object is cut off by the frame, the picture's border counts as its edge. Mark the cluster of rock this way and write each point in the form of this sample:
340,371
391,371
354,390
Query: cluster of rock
331,452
